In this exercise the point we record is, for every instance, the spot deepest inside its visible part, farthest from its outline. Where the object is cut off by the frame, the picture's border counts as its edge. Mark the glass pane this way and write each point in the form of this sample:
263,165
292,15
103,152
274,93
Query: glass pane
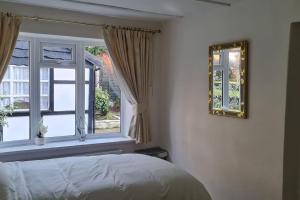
5,88
217,89
21,88
44,103
234,96
14,93
21,103
59,125
87,74
17,129
103,95
44,88
56,53
234,80
4,101
44,74
64,74
86,98
64,97
21,73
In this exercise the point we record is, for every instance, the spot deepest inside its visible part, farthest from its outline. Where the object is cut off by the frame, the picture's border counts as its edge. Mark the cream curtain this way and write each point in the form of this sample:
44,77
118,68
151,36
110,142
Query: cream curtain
131,52
9,31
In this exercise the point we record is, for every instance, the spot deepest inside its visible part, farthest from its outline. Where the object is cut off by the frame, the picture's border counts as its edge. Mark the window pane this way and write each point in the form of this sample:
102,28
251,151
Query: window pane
21,73
103,95
64,97
44,103
17,129
87,74
44,74
64,74
234,80
21,88
55,52
217,89
4,101
60,125
44,88
14,92
5,88
21,103
86,98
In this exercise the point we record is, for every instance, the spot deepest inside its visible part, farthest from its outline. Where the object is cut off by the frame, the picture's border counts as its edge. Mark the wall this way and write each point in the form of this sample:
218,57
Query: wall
73,30
236,159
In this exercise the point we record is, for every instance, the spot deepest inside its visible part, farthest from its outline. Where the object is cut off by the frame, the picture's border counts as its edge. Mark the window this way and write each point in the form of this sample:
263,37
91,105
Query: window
76,88
102,93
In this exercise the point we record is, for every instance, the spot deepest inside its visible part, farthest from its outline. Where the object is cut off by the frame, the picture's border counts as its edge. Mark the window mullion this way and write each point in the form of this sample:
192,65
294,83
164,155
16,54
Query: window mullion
80,87
34,88
51,87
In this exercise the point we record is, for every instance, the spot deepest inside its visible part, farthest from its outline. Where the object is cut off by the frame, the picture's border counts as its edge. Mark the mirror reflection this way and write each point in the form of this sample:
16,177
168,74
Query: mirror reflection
227,79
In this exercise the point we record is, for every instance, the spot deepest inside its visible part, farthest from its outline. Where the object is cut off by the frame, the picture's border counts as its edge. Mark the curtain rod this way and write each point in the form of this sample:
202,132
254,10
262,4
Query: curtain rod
85,24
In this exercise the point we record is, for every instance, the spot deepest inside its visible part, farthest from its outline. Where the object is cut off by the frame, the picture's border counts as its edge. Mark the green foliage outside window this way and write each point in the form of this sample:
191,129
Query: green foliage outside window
96,50
4,113
101,101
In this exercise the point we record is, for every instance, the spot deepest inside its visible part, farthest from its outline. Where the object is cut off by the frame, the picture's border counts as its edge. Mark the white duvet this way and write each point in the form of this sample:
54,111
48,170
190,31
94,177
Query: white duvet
106,177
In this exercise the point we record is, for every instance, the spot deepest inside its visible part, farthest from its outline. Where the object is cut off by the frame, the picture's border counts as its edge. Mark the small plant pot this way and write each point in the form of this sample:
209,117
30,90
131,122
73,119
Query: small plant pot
39,141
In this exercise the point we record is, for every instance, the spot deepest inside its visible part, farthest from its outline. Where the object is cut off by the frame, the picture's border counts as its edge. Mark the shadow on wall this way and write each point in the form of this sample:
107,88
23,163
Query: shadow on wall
291,185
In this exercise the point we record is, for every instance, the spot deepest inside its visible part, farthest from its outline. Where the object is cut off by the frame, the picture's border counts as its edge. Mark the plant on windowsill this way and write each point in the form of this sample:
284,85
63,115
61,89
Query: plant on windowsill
40,137
4,112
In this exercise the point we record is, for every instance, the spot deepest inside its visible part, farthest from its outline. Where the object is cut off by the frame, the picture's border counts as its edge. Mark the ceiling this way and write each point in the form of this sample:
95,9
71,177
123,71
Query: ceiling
151,9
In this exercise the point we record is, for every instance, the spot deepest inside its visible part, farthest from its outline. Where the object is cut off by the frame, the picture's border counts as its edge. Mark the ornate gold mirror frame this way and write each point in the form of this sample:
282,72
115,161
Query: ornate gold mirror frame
228,84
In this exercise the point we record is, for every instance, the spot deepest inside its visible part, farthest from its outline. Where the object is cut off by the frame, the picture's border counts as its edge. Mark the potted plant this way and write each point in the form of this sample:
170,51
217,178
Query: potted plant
4,112
40,137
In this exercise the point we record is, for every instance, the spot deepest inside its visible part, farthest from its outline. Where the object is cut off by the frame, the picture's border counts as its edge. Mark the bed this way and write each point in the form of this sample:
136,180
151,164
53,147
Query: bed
105,177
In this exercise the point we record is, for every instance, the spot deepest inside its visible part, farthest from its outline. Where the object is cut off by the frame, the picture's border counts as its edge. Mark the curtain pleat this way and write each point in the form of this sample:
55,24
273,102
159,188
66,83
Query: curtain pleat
9,31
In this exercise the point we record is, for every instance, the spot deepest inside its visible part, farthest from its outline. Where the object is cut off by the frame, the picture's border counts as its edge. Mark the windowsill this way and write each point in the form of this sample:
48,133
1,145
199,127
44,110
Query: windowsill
63,145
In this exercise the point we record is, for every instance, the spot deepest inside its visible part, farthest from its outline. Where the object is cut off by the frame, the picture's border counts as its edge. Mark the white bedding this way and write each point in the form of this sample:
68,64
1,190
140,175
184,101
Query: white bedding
106,177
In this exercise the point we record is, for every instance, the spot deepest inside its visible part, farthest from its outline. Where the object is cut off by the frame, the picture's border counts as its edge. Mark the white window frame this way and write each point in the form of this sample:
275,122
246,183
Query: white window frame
35,41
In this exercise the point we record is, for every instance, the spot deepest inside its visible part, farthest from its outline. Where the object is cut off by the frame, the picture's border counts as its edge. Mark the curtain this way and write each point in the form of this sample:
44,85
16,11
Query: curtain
9,31
131,52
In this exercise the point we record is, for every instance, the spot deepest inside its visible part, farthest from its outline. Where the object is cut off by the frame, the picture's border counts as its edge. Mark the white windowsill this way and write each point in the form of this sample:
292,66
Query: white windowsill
65,145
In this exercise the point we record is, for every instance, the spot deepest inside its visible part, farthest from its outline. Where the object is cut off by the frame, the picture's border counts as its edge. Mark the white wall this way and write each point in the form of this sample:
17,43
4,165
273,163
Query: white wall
236,159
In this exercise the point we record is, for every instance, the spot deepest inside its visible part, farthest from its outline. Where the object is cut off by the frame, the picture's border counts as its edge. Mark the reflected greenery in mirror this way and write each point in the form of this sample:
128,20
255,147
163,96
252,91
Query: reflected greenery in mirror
228,79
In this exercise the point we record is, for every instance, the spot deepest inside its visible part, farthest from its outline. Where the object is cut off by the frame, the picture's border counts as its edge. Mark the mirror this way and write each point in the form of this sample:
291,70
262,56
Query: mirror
228,79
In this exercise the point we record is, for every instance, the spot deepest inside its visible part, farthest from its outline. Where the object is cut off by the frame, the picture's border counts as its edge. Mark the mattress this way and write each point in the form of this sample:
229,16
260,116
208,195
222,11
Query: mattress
105,177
